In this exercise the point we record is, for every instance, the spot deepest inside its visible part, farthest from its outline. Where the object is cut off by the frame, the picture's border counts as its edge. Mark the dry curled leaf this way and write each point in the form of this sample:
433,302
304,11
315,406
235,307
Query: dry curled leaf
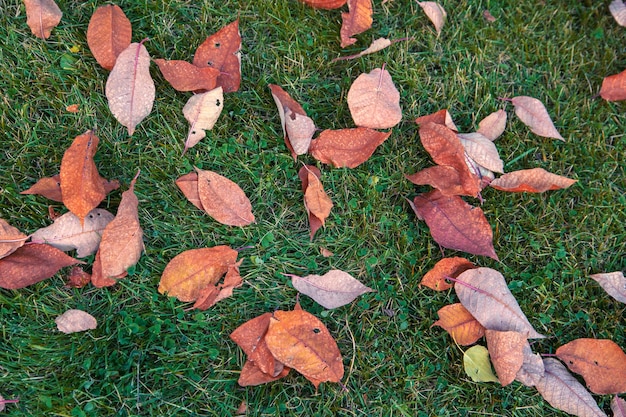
614,283
202,111
533,114
532,369
376,45
73,321
50,187
222,52
347,147
316,201
614,87
108,34
251,375
185,76
535,180
42,16
298,128
333,289
78,278
435,13
460,324
374,101
357,20
446,268
31,264
224,200
10,239
211,295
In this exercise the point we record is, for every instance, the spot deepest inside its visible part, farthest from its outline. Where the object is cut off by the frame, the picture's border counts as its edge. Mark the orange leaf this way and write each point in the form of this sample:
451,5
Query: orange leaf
441,117
50,187
460,324
316,201
493,125
533,114
252,375
31,264
250,337
189,272
108,34
188,184
374,101
357,20
224,200
98,279
614,87
601,362
447,267
298,128
222,52
211,295
300,340
42,16
506,352
536,180
184,76
10,238
324,4
347,147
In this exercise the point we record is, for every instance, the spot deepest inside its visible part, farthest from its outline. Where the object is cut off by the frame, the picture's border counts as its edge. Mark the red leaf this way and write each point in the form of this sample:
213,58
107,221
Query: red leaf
184,76
31,264
447,267
316,201
614,87
324,4
42,16
357,20
108,34
221,51
346,147
536,180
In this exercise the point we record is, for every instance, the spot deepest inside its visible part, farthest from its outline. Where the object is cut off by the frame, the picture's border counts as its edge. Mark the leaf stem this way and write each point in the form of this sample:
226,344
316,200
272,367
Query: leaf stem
465,284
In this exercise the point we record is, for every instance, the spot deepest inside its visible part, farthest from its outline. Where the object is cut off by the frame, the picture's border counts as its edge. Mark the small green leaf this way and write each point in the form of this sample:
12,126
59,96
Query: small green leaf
477,365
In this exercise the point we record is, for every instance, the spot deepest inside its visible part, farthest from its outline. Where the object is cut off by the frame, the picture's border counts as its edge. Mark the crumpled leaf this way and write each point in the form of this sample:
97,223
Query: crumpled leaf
108,34
250,337
357,20
316,201
618,406
10,239
532,369
493,125
482,151
506,350
347,147
533,114
447,267
562,391
614,283
185,76
374,101
484,293
300,340
454,224
618,10
73,321
298,128
333,289
435,13
614,87
202,111
460,324
477,366
251,375
78,278
535,180
31,264
50,187
67,232
212,294
129,88
42,16
601,362
325,4
224,200
441,117
222,52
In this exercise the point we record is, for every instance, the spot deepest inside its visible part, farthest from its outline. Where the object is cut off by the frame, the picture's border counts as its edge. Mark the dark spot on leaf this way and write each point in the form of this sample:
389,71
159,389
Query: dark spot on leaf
217,44
91,216
316,330
193,132
217,103
210,64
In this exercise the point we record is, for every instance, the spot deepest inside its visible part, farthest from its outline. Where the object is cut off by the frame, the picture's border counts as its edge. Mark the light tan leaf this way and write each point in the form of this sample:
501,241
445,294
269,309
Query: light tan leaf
42,16
357,20
614,87
535,180
202,111
482,151
377,45
73,321
618,406
347,147
533,114
435,13
374,101
224,200
333,289
108,34
506,353
10,238
532,369
298,128
614,283
129,88
618,10
477,365
493,125
460,324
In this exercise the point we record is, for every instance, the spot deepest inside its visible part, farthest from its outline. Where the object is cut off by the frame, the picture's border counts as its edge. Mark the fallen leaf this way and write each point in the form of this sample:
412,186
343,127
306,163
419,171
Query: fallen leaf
477,366
535,180
492,126
189,272
42,16
484,293
185,76
222,52
326,253
67,232
460,324
614,283
357,20
447,267
242,410
601,362
488,16
562,391
506,353
333,289
377,45
319,204
454,224
250,337
31,264
73,321
188,184
298,128
618,10
202,111
435,13
108,34
300,340
482,151
78,278
533,114
251,375
129,88
50,187
614,87
97,277
441,117
347,147
618,406
72,108
325,4
211,295
10,239
81,185
532,369
224,200
374,101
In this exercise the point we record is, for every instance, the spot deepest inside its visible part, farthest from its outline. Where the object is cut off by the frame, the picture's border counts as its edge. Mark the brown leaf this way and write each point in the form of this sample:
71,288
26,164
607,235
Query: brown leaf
376,45
441,117
202,111
482,151
533,114
562,391
73,321
484,293
488,16
614,87
252,375
31,264
447,267
222,52
460,324
618,405
129,88
50,187
10,239
78,278
357,20
614,283
224,200
298,128
42,16
301,341
122,239
325,252
188,184
506,352
536,180
374,101
454,224
320,202
108,34
81,185
98,279
493,125
601,362
250,337
185,76
618,10
211,295
347,147
435,13
189,272
532,369
333,289
325,4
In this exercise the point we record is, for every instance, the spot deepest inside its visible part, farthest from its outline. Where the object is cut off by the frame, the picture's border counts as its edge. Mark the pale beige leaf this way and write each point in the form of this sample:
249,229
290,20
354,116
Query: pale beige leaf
618,406
482,151
614,283
202,111
129,88
374,101
618,10
73,321
533,114
42,16
493,125
377,45
10,238
334,289
300,130
435,13
535,180
532,369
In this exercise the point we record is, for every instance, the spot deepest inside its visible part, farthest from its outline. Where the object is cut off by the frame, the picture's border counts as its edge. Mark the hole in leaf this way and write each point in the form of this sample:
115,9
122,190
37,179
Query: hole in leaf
217,44
193,132
210,64
316,330
217,103
91,216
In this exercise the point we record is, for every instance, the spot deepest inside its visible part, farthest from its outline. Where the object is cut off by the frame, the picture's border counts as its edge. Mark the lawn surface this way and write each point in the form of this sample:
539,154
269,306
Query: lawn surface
149,356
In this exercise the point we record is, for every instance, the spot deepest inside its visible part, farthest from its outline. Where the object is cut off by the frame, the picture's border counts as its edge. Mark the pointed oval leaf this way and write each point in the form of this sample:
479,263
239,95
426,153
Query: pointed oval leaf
250,337
477,366
73,321
188,184
447,267
614,87
333,289
506,350
224,200
435,13
10,239
314,222
535,180
42,16
184,76
129,88
357,20
202,111
493,125
222,52
533,114
50,187
315,198
108,34
460,324
618,10
31,264
298,128
374,101
347,147
614,283
482,151
441,117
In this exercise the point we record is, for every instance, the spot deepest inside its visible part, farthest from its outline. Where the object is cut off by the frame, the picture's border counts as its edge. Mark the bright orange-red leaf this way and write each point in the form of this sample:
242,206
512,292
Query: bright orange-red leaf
357,20
31,264
221,51
108,34
460,324
325,4
347,147
441,117
447,267
614,87
252,375
42,16
316,201
184,76
536,180
250,337
224,200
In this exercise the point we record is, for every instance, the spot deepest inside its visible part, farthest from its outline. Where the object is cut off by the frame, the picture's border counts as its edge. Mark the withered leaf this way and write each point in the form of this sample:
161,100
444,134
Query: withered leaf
202,111
333,289
188,184
98,279
460,324
535,180
251,375
30,264
447,267
493,125
614,86
250,337
222,52
618,11
185,76
10,238
212,294
318,197
614,283
533,114
325,4
73,321
532,369
435,13
50,187
482,151
347,147
224,200
506,350
78,278
108,34
374,101
298,128
357,20
376,45
42,16
441,117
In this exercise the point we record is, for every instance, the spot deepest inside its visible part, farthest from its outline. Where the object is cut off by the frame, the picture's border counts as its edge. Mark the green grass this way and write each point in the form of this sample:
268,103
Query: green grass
151,357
